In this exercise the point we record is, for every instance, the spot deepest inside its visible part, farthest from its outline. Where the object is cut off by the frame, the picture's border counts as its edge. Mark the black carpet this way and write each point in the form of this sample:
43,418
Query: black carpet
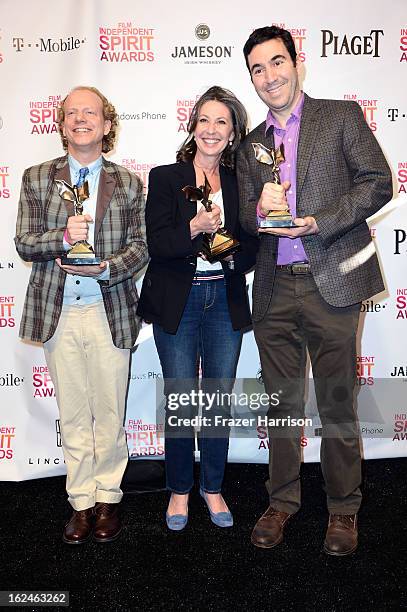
205,567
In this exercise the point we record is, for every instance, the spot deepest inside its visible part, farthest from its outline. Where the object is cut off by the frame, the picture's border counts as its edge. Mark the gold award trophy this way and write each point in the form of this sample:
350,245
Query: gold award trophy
82,252
273,158
220,244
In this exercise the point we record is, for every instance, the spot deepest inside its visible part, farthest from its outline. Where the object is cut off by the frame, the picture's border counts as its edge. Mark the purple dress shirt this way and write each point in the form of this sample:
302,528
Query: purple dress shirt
289,250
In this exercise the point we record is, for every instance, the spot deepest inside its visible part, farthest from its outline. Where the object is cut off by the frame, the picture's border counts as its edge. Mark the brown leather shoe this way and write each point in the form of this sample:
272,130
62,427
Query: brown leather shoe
342,534
108,525
268,531
79,528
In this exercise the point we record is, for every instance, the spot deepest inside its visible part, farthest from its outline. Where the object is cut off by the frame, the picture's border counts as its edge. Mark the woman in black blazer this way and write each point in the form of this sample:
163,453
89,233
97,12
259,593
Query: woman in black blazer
198,309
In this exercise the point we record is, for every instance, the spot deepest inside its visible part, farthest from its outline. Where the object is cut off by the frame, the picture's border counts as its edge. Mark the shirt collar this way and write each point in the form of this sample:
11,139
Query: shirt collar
75,166
295,115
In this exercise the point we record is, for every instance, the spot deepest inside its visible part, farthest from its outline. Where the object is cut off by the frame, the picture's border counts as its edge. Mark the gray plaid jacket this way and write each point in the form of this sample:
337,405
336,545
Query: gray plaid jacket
119,239
342,179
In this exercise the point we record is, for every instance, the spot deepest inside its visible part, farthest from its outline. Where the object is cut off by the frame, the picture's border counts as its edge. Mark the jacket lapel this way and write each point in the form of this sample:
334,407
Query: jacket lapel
63,173
186,175
266,139
308,132
229,195
107,183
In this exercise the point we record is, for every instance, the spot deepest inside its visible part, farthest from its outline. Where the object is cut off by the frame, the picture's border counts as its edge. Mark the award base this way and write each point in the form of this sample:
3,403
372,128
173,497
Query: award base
219,245
81,254
80,261
274,220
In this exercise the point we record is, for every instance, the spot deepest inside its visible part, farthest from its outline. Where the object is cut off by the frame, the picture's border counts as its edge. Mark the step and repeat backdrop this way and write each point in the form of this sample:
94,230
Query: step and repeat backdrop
152,60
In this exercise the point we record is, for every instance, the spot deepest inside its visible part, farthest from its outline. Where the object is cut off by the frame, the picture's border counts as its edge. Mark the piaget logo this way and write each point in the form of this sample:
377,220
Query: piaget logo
400,237
346,44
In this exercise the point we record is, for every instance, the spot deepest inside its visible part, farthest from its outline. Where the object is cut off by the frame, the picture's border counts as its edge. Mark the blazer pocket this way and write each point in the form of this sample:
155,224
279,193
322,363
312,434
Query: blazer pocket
152,295
39,272
36,283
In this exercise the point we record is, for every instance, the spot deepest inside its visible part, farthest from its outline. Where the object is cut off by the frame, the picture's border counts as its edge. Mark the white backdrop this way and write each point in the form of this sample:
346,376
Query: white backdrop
152,61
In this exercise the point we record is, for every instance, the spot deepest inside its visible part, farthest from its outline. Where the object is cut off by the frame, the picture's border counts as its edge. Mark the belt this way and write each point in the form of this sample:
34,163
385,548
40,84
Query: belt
207,276
300,267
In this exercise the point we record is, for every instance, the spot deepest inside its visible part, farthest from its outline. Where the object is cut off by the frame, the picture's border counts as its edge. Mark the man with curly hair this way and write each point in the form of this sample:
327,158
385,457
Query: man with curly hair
85,315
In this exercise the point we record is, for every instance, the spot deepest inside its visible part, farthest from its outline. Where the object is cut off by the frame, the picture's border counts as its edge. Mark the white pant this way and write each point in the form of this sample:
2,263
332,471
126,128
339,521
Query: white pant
90,377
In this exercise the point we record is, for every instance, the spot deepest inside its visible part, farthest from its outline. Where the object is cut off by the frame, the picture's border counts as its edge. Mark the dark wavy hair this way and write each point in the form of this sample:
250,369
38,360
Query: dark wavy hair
261,35
187,150
109,113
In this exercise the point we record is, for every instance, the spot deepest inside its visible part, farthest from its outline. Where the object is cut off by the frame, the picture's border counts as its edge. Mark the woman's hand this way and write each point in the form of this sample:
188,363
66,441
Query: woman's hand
207,222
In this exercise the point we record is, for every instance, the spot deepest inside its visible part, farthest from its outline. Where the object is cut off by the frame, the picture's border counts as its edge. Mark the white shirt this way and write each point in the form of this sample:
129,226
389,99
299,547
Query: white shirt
201,264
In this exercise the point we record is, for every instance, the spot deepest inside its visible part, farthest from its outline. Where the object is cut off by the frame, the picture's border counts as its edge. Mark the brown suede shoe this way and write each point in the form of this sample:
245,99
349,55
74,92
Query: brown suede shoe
268,531
342,534
108,525
79,528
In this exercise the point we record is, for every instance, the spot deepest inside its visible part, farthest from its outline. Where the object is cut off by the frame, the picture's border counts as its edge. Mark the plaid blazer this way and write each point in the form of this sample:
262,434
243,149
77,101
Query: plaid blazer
119,239
342,179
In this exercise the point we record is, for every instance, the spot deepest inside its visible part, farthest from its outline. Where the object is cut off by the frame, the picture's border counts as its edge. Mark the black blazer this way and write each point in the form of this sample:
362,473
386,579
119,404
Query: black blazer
168,279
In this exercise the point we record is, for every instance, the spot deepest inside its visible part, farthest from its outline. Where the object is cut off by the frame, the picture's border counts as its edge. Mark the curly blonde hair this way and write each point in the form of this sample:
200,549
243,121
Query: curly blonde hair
109,113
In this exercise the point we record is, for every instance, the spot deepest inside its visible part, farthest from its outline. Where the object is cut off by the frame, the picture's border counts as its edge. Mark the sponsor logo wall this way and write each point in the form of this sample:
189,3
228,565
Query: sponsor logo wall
153,62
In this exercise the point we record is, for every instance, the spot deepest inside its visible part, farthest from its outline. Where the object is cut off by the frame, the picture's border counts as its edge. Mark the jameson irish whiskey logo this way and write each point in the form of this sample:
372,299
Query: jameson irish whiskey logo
214,53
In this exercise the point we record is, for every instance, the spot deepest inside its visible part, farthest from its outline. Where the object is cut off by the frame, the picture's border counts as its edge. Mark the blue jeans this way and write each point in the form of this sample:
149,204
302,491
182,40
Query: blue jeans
205,331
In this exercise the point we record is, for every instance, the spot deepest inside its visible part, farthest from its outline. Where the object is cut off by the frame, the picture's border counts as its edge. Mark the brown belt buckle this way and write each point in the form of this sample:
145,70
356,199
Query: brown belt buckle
300,268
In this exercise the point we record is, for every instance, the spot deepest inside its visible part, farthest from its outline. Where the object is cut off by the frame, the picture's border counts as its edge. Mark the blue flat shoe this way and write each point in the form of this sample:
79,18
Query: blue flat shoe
221,519
176,522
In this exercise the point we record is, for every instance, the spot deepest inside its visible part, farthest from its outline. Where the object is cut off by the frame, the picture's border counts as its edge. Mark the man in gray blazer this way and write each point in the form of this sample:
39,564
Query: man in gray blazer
85,314
310,279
